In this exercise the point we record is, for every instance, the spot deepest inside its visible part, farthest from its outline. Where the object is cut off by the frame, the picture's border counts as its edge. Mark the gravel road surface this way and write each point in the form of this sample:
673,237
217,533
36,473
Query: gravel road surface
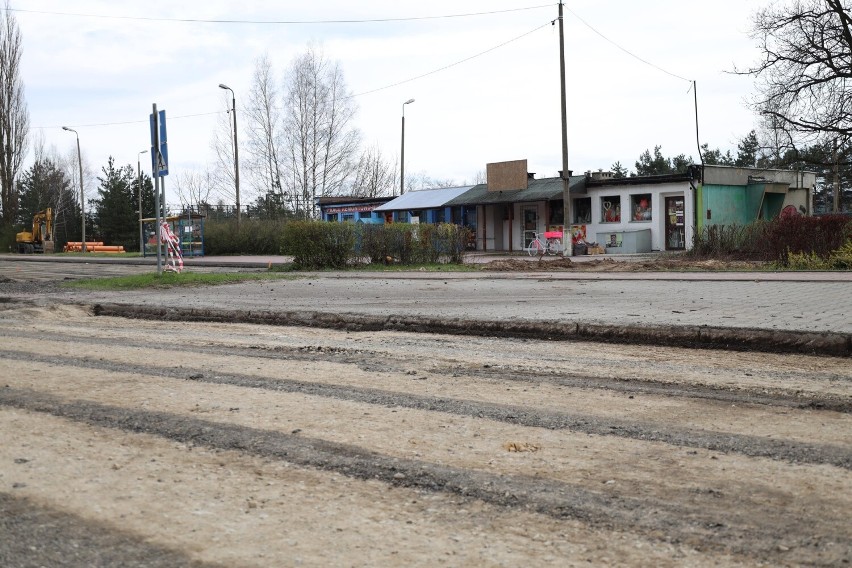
171,443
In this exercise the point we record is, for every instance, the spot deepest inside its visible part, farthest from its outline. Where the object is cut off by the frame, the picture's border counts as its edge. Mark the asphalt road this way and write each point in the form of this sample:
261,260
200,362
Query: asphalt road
813,303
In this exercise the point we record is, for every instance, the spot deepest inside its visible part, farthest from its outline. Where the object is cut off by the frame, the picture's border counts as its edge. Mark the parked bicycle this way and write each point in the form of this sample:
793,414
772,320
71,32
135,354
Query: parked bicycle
546,243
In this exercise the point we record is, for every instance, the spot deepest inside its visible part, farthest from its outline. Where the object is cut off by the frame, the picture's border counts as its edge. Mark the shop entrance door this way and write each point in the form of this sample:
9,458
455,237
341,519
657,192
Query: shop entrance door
530,221
675,223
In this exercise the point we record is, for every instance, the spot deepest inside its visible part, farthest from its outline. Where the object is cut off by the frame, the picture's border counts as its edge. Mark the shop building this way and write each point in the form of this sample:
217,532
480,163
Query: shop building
636,214
348,208
425,206
738,196
508,217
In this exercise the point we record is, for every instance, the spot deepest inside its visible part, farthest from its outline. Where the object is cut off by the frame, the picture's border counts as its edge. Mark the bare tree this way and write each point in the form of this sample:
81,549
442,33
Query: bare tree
374,175
420,180
14,116
194,187
321,141
805,76
264,133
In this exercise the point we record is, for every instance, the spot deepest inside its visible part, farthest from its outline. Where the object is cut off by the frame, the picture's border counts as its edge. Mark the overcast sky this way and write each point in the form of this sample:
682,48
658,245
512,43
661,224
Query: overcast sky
98,65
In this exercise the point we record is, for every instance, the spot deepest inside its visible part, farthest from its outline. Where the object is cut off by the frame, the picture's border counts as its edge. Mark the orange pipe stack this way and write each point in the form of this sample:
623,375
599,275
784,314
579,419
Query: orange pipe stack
98,246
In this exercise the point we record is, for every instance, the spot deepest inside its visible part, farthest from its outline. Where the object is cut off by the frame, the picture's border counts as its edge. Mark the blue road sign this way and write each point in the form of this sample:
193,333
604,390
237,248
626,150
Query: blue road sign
159,156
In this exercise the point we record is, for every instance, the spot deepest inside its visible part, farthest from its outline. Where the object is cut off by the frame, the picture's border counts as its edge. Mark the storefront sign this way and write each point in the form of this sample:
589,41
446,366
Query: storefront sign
350,209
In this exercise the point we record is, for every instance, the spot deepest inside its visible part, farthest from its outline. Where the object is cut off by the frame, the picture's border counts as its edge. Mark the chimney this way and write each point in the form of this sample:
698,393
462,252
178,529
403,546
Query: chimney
530,175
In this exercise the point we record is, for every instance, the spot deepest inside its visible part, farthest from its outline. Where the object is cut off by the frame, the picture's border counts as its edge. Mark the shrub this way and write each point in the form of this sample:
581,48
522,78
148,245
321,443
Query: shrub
739,241
806,261
776,240
818,236
253,236
413,244
841,259
318,244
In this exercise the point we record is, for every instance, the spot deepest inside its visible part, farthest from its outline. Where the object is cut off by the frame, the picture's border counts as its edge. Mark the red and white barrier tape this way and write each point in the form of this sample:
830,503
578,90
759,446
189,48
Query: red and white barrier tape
175,258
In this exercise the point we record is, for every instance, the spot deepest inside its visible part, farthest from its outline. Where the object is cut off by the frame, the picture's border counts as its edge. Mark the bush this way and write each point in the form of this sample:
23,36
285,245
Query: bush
818,236
253,236
318,244
808,238
841,259
413,244
806,261
737,241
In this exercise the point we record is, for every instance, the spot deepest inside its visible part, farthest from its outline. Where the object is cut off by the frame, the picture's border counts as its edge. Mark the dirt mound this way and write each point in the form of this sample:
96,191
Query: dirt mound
545,264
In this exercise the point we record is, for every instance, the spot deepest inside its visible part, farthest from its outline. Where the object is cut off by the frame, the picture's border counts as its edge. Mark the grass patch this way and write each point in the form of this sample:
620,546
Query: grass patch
169,280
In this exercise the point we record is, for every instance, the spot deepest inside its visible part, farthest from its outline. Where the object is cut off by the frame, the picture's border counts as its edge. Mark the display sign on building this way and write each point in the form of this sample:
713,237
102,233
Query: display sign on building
350,209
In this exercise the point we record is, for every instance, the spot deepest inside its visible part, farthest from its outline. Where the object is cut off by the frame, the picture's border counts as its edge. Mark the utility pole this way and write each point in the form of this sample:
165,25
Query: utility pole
236,149
402,150
567,233
836,202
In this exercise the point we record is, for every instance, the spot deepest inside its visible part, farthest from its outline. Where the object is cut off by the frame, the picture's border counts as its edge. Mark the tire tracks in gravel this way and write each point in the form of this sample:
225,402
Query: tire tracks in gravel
675,522
37,535
752,446
373,361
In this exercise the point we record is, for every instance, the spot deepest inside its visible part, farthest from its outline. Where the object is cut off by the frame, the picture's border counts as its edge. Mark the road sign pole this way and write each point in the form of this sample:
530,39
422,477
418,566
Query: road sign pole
155,152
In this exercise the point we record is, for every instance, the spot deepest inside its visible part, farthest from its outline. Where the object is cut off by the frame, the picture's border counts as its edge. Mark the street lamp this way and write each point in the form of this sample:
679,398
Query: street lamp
139,188
82,197
402,151
236,149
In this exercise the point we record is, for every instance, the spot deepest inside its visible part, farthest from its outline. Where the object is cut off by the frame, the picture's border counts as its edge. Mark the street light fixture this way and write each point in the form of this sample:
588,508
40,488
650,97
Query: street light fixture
139,188
236,149
82,197
402,151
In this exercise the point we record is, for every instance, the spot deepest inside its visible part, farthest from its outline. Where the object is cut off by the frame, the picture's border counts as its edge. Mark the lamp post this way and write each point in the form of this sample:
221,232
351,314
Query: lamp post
402,151
82,197
236,149
139,177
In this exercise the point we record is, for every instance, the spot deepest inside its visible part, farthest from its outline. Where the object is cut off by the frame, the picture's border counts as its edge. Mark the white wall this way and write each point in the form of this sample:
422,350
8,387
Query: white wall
657,223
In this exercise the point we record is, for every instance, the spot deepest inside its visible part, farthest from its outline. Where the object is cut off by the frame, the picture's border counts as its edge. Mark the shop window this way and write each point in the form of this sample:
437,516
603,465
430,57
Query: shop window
365,214
332,217
640,205
611,209
582,210
557,212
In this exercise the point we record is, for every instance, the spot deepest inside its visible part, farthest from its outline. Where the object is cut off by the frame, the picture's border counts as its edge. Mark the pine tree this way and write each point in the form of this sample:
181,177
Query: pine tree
116,215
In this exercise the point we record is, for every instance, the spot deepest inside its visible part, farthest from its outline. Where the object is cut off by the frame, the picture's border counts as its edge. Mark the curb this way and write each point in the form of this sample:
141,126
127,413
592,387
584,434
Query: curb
703,337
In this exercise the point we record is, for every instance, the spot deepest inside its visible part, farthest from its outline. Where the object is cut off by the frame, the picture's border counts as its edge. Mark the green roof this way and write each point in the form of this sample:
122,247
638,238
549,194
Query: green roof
545,189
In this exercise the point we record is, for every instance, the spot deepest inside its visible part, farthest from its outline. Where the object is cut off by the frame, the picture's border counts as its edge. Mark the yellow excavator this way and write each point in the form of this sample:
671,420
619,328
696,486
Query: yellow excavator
41,237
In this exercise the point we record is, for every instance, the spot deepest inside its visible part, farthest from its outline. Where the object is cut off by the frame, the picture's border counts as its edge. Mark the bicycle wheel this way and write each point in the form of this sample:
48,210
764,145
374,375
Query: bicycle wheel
535,248
554,246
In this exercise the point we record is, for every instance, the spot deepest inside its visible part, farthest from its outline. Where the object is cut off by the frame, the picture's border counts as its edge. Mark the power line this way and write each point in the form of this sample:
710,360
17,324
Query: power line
444,68
281,22
625,50
434,71
132,121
